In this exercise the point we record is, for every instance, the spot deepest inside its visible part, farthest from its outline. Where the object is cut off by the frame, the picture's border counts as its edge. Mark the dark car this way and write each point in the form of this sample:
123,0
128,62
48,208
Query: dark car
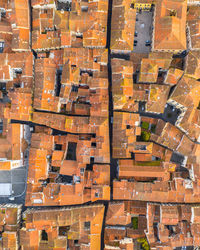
135,43
148,43
136,33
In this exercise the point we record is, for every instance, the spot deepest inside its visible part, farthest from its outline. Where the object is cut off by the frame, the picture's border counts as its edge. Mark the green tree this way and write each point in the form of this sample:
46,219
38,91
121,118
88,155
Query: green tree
145,125
145,136
144,243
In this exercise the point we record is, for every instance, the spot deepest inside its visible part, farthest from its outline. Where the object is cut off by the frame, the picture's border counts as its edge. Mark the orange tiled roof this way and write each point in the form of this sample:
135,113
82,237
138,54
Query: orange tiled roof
170,25
54,29
125,130
81,223
193,22
122,26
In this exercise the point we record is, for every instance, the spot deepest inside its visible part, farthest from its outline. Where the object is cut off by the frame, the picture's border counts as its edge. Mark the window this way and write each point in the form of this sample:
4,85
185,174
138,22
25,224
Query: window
128,126
44,235
93,144
87,225
58,147
1,47
71,151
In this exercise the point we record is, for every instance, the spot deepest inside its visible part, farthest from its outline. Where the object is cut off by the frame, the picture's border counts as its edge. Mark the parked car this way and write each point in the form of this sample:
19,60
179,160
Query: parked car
136,33
148,43
135,43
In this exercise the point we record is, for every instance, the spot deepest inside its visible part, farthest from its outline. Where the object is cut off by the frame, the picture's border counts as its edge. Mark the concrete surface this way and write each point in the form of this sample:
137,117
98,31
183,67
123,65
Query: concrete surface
144,28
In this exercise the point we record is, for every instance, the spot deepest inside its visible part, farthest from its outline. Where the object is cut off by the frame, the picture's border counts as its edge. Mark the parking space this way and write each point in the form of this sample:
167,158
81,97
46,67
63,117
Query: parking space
143,32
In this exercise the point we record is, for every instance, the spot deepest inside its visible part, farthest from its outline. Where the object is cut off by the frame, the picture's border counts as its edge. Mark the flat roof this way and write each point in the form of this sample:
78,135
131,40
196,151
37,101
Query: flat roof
5,189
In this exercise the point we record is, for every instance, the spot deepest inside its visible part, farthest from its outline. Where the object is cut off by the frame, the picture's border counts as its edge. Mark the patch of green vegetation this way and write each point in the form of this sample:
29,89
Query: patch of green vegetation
134,222
144,243
153,128
148,163
145,136
145,125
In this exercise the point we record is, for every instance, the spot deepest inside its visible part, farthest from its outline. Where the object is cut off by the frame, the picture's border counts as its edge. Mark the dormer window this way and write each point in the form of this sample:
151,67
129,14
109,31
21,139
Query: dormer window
18,71
79,35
